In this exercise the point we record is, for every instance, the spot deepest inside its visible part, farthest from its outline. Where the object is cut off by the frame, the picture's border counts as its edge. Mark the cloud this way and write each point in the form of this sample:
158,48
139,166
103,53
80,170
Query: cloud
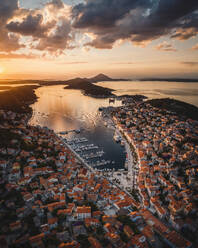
8,41
137,21
49,28
58,4
7,8
31,25
73,62
103,13
190,63
53,27
58,40
165,46
17,56
195,47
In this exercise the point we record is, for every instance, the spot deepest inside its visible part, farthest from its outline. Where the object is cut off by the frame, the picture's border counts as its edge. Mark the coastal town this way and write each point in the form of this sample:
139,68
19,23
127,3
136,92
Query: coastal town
50,198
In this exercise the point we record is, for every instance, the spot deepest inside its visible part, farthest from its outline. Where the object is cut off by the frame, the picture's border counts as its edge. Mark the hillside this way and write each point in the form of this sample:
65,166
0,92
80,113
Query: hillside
18,99
88,88
182,109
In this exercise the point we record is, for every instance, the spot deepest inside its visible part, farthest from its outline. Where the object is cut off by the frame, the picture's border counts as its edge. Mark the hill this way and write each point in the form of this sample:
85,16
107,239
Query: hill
183,109
18,99
88,88
100,77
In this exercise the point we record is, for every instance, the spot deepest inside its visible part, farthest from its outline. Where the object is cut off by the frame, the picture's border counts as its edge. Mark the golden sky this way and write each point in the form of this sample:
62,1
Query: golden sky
59,39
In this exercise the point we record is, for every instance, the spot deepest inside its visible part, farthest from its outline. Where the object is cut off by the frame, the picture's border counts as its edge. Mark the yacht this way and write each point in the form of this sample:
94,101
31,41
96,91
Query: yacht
117,138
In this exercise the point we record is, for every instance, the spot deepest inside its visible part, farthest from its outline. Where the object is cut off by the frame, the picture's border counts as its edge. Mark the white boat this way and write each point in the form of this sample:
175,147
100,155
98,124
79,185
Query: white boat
122,143
117,138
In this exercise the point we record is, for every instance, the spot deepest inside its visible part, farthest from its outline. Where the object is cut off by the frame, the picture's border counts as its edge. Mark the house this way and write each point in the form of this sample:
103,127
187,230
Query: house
128,231
94,243
91,222
37,241
53,223
15,226
83,212
3,164
72,244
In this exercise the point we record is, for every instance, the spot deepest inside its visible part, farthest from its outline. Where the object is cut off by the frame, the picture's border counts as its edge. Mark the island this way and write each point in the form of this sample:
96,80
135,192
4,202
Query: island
88,86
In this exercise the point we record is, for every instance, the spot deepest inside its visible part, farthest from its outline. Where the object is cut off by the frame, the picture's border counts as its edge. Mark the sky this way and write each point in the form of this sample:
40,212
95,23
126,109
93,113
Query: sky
61,39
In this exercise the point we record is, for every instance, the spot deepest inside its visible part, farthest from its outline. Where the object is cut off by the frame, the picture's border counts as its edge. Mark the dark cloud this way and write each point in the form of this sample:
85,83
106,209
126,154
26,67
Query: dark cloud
103,13
138,21
31,25
51,34
7,8
58,40
8,42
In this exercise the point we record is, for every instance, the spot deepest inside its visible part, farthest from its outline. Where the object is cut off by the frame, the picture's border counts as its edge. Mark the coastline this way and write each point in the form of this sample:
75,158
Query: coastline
101,178
18,99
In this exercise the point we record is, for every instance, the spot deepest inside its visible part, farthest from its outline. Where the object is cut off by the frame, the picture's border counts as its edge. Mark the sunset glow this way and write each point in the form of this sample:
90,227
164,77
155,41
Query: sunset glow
62,39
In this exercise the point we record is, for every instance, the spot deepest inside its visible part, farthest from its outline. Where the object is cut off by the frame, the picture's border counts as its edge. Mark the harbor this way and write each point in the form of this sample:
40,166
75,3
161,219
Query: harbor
90,153
89,132
93,156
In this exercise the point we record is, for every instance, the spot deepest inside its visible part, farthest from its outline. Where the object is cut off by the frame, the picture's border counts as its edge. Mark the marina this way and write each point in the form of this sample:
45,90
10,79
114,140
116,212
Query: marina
89,152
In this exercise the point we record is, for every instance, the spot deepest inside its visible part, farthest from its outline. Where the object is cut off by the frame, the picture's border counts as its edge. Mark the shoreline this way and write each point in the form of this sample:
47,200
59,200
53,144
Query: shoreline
140,208
92,169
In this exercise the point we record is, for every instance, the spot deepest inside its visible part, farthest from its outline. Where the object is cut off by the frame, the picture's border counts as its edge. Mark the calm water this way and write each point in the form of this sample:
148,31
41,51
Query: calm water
61,110
187,92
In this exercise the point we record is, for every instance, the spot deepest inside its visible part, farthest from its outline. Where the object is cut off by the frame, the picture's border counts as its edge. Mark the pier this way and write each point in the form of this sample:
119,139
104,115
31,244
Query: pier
69,131
93,170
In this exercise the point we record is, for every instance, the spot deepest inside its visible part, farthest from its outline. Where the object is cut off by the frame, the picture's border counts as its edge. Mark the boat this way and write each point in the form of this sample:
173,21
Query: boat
100,108
122,143
117,138
64,132
111,100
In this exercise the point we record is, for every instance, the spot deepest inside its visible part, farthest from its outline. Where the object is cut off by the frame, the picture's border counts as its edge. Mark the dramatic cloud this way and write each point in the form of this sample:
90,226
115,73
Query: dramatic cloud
137,21
165,46
7,8
104,13
58,39
54,26
8,41
31,25
49,27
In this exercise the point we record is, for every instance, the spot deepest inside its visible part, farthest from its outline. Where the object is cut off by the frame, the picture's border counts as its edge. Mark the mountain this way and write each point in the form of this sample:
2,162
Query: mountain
100,77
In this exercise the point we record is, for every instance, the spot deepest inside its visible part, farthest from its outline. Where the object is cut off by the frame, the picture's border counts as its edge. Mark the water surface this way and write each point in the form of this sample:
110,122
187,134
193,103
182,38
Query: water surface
186,92
64,109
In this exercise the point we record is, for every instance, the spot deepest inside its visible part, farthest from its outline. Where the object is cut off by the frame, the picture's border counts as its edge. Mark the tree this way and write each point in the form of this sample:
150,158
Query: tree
83,240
